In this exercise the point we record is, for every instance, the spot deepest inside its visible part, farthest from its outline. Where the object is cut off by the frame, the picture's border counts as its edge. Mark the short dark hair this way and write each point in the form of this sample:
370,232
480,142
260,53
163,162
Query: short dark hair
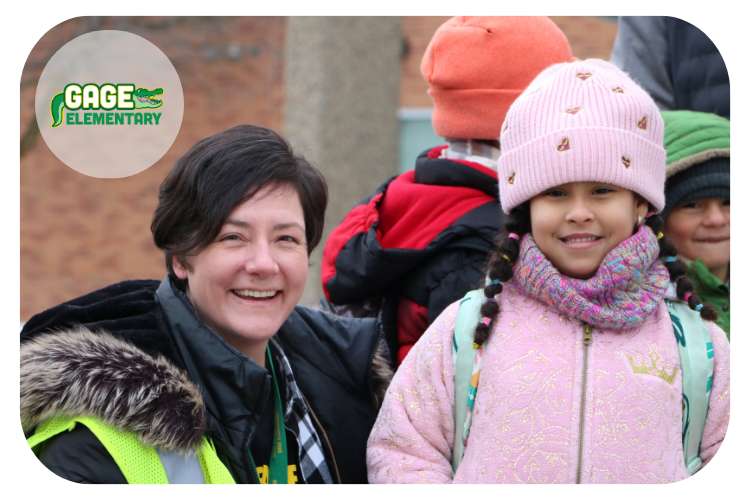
221,172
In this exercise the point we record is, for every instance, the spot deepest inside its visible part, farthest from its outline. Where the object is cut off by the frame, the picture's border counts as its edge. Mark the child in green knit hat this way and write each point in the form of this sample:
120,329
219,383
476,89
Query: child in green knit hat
697,201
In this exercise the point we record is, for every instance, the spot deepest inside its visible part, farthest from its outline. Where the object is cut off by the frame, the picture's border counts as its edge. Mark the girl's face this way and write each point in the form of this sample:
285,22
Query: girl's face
577,224
700,230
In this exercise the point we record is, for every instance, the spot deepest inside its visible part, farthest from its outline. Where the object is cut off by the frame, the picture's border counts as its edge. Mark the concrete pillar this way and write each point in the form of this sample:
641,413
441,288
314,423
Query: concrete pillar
342,85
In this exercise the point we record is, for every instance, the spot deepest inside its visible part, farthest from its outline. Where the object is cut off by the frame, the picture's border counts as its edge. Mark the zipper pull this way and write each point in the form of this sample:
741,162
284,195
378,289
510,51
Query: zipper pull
587,339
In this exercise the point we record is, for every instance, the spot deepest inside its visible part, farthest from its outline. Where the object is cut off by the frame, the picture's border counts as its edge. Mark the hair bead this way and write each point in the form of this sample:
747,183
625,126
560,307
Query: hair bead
495,282
670,259
660,235
475,346
699,307
506,257
486,321
514,236
650,214
687,296
679,278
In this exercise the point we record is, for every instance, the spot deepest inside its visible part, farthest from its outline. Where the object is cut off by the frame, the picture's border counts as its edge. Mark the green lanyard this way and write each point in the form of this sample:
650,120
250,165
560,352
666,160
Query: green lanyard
278,468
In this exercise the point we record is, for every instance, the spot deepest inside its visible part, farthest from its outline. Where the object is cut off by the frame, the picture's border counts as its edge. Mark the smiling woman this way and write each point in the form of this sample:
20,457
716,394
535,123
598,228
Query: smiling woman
214,375
248,280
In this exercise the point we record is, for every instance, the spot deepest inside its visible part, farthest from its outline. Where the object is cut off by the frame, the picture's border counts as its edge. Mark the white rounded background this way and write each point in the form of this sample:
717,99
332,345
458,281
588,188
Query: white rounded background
116,57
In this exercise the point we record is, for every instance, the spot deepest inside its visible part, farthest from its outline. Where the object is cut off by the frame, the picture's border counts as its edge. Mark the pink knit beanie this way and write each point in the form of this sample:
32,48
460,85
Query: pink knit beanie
477,67
578,122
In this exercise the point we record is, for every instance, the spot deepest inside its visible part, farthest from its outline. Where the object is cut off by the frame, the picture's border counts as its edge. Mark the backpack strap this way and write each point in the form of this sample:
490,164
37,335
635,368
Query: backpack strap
467,363
696,362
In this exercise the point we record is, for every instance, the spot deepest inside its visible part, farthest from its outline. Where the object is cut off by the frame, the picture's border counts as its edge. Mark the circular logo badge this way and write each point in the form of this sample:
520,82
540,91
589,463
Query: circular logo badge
109,104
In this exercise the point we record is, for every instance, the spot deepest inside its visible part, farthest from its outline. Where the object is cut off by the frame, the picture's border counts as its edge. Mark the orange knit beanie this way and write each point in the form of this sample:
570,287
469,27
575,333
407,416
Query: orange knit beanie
477,66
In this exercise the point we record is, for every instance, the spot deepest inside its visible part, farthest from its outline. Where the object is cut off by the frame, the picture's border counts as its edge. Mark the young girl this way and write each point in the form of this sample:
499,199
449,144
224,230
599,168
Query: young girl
580,378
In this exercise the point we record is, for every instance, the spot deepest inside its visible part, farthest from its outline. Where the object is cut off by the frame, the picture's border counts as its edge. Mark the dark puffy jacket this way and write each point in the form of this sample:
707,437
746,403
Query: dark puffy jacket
674,61
420,242
699,74
332,360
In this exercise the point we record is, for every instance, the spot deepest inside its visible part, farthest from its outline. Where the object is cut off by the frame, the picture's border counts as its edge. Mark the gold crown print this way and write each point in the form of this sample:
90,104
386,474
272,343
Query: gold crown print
653,364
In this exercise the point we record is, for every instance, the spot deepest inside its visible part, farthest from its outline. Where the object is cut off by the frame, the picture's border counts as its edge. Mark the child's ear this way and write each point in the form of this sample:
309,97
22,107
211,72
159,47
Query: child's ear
641,207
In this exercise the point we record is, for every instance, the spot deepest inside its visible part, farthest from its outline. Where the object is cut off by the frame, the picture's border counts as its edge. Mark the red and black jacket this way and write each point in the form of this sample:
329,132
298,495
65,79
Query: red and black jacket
421,240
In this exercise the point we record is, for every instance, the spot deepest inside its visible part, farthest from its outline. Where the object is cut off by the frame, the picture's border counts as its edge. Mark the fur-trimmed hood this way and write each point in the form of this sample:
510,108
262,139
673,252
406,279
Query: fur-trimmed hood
80,373
153,367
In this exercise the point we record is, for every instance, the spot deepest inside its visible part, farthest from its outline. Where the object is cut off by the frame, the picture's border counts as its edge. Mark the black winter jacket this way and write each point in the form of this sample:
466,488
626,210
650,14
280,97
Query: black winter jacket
420,241
675,62
699,74
221,392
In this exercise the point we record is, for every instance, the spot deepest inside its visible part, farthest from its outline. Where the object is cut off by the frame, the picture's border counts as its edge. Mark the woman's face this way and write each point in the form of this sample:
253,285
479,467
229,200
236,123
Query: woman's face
247,281
577,224
700,230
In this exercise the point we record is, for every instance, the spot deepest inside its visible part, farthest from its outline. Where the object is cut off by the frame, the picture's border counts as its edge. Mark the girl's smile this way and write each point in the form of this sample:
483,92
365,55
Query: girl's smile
580,240
577,224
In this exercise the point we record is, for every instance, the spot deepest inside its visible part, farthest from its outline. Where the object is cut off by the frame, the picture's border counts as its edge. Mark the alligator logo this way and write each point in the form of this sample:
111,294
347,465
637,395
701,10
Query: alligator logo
145,98
112,99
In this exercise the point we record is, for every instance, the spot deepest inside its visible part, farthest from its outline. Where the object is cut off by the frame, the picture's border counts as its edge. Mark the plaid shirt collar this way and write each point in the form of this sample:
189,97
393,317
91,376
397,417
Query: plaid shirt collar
297,420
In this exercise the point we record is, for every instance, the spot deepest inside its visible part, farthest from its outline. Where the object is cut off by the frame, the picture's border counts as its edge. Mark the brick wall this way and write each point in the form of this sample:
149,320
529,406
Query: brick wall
79,233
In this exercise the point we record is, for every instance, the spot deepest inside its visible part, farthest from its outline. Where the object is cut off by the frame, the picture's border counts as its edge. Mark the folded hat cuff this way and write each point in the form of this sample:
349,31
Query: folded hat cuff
586,154
714,185
470,113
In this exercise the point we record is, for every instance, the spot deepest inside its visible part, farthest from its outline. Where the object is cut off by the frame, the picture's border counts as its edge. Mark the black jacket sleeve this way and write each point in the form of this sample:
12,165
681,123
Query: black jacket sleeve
80,457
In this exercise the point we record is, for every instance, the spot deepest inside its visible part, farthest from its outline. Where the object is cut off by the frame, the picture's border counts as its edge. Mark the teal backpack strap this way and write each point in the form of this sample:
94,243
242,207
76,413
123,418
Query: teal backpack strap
697,364
464,356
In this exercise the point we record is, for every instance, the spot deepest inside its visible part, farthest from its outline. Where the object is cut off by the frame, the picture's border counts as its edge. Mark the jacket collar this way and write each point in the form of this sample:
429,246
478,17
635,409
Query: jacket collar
235,388
707,281
432,169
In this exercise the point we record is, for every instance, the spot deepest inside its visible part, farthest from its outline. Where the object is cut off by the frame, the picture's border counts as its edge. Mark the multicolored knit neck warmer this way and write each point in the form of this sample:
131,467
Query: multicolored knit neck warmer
624,292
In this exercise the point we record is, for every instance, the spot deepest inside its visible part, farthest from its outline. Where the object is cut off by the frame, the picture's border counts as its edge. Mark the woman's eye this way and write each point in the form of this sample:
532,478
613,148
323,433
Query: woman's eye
229,237
290,239
603,191
555,193
726,203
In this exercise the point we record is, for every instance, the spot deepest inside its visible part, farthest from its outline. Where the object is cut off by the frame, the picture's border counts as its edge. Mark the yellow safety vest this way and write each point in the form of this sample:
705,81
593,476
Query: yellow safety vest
139,464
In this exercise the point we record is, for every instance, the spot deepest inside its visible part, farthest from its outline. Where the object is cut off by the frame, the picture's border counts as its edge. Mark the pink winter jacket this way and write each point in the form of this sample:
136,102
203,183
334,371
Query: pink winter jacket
527,418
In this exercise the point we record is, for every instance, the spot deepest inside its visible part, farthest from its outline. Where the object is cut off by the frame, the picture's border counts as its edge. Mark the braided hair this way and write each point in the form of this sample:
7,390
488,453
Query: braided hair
500,264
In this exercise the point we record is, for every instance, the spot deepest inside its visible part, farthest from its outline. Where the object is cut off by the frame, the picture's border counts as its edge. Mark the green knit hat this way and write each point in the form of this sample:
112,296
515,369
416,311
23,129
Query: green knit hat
697,147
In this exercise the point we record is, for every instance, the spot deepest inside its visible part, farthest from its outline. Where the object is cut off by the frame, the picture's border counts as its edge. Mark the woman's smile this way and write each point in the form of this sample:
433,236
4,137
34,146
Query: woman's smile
256,294
245,284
